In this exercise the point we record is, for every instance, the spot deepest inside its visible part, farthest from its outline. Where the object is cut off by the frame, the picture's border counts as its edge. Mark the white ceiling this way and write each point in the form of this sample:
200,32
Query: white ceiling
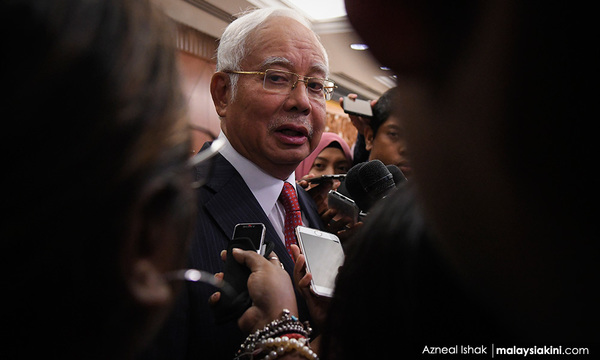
354,71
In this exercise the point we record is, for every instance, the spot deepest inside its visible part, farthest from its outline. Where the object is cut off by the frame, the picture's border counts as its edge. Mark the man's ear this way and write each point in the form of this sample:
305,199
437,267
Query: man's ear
220,90
147,285
369,138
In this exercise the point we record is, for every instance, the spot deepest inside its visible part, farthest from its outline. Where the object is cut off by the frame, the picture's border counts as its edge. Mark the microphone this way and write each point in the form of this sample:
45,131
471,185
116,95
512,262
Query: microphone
397,174
368,182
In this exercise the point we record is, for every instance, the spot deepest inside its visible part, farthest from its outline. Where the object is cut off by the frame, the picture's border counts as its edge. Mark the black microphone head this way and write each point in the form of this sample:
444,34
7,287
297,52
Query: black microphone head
376,179
397,174
352,186
368,182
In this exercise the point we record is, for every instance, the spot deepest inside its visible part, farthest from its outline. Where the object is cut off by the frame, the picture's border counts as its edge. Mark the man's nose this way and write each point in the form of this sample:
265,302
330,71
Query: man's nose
298,99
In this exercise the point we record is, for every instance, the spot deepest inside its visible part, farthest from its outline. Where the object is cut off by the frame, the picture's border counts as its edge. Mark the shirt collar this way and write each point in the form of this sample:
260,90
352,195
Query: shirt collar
266,188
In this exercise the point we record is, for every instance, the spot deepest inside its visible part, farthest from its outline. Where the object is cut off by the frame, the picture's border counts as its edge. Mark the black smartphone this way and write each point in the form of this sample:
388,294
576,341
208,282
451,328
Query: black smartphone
357,107
343,204
254,231
246,236
320,179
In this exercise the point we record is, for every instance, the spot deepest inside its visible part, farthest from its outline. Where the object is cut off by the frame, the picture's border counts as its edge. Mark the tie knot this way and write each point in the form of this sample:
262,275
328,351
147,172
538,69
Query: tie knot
288,198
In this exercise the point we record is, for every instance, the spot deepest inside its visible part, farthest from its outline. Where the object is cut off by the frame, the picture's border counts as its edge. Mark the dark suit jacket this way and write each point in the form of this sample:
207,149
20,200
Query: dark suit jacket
224,201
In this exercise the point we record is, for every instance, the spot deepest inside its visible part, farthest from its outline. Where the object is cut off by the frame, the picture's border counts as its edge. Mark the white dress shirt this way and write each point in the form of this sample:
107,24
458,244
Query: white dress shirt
264,187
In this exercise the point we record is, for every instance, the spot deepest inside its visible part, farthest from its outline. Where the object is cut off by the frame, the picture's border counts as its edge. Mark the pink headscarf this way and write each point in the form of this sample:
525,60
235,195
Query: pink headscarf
326,139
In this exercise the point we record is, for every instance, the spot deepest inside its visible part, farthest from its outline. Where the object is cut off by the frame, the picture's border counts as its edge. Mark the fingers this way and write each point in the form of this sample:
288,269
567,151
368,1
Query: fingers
347,233
350,96
336,184
275,260
327,216
295,251
251,259
214,298
304,181
343,223
304,282
308,176
301,277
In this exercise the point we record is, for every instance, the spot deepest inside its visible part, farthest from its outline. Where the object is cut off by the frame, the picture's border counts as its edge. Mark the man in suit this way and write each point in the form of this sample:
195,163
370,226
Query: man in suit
269,90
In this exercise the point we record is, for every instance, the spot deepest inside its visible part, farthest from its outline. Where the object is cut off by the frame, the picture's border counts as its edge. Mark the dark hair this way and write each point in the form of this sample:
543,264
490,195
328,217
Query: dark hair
550,116
395,286
97,142
383,109
546,141
334,144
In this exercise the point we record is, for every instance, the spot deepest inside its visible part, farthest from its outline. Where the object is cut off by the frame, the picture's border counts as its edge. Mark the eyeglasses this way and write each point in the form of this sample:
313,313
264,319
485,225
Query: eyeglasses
283,82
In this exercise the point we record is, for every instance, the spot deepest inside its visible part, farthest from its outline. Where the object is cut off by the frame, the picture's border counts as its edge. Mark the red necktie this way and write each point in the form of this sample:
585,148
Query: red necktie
293,217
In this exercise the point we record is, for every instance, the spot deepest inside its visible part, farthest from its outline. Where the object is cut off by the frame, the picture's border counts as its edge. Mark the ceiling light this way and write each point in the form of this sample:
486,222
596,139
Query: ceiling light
319,10
384,68
359,46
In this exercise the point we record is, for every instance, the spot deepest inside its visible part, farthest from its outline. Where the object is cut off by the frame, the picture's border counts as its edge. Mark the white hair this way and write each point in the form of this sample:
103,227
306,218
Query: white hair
232,46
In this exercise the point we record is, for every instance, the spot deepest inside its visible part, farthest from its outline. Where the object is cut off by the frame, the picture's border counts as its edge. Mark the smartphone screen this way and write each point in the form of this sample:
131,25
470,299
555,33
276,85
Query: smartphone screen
324,256
254,231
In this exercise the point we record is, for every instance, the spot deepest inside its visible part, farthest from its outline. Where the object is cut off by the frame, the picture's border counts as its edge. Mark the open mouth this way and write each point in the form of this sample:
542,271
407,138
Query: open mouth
290,132
292,135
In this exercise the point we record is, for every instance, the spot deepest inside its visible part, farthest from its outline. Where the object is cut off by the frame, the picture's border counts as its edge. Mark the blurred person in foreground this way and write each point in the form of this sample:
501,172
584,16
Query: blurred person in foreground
497,246
98,204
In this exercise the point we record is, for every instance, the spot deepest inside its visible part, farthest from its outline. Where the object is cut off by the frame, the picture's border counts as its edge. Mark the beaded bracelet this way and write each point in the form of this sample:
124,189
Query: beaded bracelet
281,345
280,336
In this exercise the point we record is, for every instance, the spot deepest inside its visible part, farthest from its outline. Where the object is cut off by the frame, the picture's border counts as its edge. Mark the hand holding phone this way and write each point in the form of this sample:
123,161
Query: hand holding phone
345,206
246,236
357,107
322,178
232,306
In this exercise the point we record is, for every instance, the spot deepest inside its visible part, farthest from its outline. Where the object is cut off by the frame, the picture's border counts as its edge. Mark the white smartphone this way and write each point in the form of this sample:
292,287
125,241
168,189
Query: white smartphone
324,256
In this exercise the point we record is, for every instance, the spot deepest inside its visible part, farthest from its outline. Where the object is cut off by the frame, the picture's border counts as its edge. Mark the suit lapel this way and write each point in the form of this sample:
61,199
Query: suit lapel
233,203
309,209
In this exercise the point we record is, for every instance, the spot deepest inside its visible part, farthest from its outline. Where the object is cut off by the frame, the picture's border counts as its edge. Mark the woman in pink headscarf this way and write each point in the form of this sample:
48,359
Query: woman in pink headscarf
332,156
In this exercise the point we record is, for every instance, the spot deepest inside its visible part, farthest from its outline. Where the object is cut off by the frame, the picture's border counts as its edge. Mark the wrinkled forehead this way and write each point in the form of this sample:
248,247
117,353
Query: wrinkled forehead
317,69
286,43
